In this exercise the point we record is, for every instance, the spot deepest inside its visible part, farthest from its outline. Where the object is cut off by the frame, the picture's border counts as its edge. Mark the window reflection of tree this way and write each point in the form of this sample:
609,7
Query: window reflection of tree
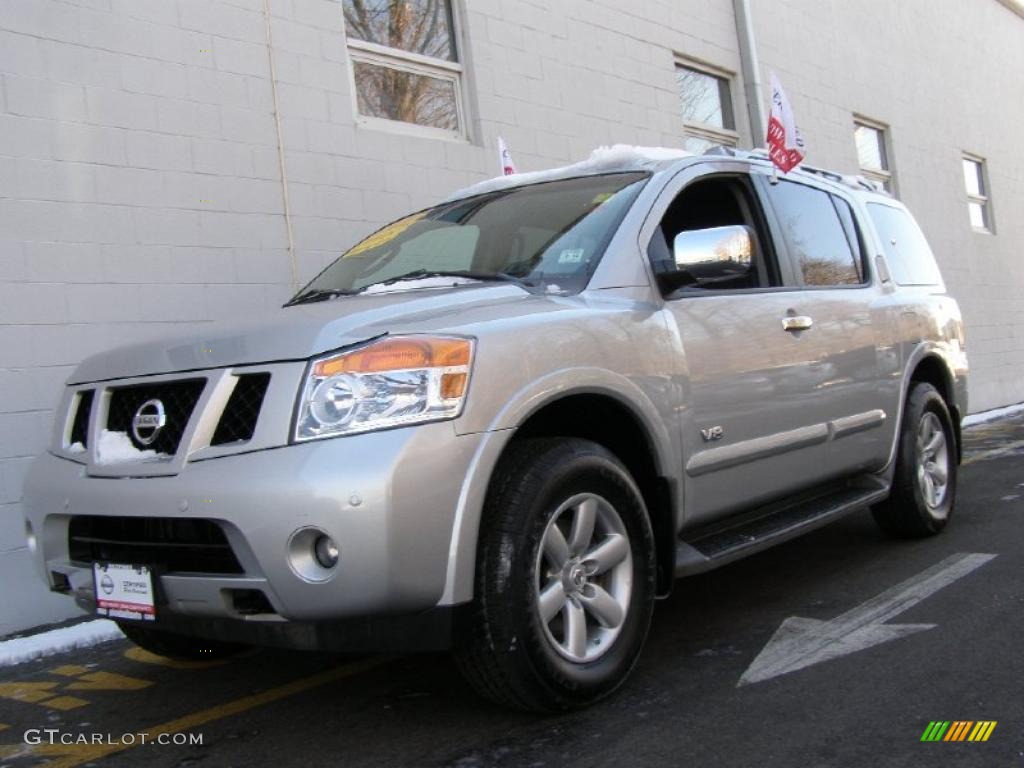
417,26
700,97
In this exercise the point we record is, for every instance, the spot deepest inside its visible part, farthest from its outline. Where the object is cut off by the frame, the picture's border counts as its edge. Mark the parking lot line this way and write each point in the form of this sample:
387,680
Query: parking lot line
138,654
85,754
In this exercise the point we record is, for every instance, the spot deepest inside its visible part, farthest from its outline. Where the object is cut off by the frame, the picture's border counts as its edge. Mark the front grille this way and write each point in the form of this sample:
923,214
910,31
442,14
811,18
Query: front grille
80,426
179,545
179,399
238,422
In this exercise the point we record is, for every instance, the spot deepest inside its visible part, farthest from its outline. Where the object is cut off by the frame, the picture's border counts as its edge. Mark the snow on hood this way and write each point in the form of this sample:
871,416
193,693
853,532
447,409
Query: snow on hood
620,157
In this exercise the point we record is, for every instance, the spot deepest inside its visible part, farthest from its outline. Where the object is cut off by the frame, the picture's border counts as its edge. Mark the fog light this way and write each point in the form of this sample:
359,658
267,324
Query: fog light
325,551
30,538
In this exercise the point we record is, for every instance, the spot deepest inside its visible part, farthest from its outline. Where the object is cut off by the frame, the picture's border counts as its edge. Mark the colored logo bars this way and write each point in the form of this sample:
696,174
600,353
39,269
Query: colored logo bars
958,730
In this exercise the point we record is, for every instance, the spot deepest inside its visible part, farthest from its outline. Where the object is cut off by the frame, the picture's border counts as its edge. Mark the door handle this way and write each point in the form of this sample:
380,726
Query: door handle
796,323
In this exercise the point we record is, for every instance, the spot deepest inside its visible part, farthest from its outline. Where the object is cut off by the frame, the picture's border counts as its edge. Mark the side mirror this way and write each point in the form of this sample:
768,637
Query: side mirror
715,257
724,246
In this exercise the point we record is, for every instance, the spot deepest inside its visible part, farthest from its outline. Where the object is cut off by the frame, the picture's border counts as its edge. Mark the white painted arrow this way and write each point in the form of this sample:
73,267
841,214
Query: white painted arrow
801,642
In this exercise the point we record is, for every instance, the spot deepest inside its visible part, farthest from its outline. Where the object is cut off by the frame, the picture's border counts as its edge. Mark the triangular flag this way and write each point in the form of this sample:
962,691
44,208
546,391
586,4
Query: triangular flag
505,158
785,144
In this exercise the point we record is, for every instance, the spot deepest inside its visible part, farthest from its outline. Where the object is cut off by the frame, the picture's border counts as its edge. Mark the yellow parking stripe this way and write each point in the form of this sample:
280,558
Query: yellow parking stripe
30,692
988,731
108,681
64,703
69,670
88,753
137,654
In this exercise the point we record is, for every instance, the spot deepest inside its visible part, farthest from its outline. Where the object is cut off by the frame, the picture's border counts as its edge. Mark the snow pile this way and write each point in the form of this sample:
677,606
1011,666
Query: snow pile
76,448
620,157
85,635
996,413
117,448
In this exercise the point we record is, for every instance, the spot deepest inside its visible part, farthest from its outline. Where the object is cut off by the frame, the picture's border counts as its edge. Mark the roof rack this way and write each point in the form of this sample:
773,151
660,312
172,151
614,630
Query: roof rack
760,153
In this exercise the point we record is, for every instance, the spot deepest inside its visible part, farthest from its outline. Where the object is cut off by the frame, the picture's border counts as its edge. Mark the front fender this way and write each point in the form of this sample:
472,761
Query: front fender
527,401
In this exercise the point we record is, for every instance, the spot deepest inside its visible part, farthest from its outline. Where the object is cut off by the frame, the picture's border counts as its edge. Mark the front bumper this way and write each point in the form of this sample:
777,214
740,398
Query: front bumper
387,498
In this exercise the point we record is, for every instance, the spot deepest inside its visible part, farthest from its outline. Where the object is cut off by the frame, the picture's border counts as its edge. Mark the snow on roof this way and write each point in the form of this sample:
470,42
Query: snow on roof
620,157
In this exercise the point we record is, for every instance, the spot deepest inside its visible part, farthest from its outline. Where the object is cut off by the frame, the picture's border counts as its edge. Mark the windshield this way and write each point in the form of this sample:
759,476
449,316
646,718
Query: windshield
546,237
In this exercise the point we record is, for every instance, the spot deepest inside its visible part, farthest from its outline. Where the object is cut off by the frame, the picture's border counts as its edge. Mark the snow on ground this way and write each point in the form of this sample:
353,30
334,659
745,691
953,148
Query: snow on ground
995,413
85,635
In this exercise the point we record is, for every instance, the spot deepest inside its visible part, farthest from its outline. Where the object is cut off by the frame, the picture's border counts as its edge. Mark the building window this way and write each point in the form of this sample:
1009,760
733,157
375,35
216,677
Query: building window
706,105
976,184
405,64
873,153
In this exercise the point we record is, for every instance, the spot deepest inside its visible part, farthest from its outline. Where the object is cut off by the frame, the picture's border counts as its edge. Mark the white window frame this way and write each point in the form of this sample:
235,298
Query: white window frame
728,137
366,52
985,199
887,177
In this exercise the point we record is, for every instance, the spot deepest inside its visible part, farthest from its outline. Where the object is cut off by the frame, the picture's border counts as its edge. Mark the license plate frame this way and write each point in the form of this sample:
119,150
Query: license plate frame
125,592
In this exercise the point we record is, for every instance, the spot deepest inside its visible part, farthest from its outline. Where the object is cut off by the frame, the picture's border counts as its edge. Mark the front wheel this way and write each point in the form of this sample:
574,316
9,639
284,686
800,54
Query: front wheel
924,485
565,578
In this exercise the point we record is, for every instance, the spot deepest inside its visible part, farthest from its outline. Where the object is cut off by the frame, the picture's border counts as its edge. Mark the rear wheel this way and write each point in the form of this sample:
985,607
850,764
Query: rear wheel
565,578
175,646
924,485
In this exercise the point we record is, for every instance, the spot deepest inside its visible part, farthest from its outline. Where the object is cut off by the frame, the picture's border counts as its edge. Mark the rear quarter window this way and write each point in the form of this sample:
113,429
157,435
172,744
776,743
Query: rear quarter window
910,260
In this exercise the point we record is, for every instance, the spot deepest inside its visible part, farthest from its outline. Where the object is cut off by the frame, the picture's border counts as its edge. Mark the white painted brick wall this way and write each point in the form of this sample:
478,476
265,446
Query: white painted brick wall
116,120
118,117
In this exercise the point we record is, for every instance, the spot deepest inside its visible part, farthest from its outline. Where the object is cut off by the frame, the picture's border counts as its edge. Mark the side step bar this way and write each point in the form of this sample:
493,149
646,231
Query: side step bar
709,547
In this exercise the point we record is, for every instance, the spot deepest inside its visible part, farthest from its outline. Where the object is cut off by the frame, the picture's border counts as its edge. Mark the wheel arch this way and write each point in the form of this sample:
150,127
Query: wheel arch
611,423
932,369
554,408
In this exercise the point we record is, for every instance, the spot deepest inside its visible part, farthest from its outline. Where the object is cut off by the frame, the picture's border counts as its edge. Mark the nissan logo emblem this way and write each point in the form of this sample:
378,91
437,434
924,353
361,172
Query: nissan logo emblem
148,421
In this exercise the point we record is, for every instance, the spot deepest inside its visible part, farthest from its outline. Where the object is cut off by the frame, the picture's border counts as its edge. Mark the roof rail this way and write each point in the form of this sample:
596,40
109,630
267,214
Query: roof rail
760,153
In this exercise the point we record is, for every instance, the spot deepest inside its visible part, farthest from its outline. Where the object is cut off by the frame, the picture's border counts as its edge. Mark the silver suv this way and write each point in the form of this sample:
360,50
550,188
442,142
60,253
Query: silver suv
505,424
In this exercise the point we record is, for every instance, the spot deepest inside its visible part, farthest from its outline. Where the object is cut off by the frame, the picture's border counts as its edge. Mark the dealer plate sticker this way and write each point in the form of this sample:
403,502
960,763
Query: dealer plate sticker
124,591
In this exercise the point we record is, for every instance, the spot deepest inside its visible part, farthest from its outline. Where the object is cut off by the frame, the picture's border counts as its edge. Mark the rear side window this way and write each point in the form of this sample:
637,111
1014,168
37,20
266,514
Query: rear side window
910,259
824,247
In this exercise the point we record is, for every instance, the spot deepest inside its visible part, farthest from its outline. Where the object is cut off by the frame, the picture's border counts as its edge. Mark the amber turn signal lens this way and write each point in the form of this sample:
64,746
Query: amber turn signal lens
453,385
401,353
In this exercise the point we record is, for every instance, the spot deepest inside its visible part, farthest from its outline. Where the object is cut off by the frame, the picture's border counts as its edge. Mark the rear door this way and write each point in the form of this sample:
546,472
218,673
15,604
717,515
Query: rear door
851,334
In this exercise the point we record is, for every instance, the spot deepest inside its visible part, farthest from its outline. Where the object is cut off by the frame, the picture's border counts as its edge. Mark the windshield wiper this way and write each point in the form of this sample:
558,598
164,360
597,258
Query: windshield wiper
487,277
318,294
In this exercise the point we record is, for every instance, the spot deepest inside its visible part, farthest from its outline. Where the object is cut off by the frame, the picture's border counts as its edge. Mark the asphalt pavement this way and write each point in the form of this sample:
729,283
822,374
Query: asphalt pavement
921,632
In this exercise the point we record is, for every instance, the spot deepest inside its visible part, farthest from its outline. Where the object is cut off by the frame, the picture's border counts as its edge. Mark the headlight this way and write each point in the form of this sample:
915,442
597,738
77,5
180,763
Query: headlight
391,382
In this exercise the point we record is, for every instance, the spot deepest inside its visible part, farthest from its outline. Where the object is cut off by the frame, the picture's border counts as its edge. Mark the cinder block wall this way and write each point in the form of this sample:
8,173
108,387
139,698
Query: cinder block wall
140,178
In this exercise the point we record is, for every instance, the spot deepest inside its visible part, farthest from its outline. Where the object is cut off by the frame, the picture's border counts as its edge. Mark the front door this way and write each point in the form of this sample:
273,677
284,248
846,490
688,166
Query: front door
756,419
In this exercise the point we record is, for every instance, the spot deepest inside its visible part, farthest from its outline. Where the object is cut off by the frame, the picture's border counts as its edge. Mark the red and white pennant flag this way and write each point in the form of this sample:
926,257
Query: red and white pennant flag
505,158
785,144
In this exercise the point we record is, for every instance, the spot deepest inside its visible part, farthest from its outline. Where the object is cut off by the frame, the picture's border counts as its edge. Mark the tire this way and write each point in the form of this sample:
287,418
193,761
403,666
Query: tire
175,646
920,503
542,493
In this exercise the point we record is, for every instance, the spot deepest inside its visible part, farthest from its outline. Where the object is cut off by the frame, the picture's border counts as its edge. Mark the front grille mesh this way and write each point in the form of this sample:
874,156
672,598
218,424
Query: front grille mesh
179,399
238,422
80,426
177,545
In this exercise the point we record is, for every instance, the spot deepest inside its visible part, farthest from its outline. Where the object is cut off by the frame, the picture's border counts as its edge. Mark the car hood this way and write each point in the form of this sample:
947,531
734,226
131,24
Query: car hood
305,330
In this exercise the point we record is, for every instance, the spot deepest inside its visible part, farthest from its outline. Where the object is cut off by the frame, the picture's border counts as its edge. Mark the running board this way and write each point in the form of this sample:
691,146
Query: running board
710,547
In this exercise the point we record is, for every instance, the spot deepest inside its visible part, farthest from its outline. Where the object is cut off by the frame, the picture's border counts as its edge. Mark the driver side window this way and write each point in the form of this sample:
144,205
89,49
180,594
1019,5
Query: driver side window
710,239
